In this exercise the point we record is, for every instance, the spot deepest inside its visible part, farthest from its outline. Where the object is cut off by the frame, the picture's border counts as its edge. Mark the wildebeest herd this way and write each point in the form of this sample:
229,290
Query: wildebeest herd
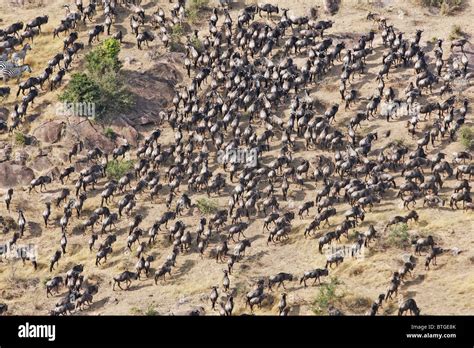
244,74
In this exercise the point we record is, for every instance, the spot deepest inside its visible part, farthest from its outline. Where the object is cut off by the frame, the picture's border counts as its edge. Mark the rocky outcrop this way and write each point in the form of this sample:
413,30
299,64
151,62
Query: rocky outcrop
49,132
5,152
3,113
126,131
41,164
154,90
12,175
92,135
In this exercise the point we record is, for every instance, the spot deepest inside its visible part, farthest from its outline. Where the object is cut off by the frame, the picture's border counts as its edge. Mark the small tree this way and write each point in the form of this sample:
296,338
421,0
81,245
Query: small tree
104,59
102,83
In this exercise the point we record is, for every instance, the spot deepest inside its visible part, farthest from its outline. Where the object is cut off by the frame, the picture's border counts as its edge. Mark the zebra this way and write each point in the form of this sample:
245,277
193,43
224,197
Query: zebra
7,71
21,55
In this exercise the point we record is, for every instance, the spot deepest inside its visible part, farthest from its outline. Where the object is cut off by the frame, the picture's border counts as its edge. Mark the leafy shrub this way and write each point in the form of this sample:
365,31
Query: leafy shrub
104,58
398,236
116,169
109,133
466,135
20,138
206,206
102,83
83,89
327,296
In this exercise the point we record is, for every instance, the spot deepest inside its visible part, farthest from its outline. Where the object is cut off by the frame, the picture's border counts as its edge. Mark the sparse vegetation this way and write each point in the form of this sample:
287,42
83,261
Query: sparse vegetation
194,9
196,43
206,206
398,236
357,304
20,138
456,33
102,84
177,32
466,137
399,142
151,311
156,76
446,7
136,311
116,169
109,133
327,296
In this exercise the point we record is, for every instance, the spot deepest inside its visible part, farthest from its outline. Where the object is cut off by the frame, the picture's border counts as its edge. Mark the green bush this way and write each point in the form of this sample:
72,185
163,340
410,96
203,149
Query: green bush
102,83
327,296
104,59
83,89
109,133
20,138
398,236
206,206
116,169
466,136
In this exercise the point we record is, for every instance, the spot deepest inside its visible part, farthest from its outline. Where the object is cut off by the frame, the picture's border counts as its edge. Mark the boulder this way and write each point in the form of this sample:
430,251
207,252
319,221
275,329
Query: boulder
3,113
167,73
126,131
12,175
92,135
49,132
5,152
21,157
41,163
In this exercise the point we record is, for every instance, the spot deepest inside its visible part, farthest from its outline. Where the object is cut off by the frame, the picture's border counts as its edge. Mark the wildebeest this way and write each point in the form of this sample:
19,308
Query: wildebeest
279,279
334,259
54,284
126,277
409,305
315,274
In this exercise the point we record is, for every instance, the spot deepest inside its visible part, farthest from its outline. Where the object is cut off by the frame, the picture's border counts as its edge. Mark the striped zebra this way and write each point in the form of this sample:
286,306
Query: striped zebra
7,71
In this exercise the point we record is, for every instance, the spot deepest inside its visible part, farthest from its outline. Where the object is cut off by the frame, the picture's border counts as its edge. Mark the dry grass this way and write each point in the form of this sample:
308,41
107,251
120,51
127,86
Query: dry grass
363,279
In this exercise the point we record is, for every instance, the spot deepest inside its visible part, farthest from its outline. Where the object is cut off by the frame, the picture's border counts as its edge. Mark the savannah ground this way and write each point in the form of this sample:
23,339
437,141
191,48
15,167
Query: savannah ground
446,289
